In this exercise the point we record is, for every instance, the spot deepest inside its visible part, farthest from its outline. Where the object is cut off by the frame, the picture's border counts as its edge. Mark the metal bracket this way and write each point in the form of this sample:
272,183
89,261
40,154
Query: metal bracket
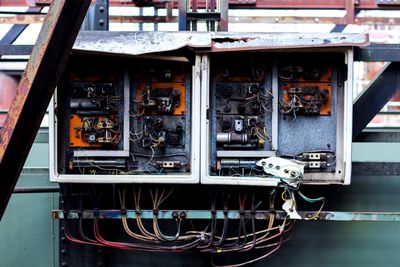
97,17
234,214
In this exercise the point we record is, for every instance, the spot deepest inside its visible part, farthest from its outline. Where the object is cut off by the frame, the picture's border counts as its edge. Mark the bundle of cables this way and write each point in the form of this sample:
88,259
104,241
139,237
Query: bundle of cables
249,236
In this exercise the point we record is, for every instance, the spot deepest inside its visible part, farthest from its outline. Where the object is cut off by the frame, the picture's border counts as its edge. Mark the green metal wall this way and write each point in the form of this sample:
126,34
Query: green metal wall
29,237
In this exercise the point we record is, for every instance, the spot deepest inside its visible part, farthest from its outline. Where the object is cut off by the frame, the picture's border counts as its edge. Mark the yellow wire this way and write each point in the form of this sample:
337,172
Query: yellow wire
316,215
283,196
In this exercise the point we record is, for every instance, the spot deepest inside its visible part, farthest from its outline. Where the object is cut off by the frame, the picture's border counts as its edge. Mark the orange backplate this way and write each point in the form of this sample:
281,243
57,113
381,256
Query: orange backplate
326,109
176,110
75,137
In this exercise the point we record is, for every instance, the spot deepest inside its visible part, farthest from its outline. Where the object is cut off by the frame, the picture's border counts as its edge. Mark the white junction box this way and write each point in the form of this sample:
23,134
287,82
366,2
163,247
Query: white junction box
210,108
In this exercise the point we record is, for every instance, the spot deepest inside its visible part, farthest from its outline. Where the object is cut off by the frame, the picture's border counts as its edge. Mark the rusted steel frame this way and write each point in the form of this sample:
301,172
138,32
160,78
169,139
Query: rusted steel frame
170,6
31,19
223,23
314,20
17,29
232,214
284,4
350,12
194,7
35,89
23,19
17,2
264,19
278,4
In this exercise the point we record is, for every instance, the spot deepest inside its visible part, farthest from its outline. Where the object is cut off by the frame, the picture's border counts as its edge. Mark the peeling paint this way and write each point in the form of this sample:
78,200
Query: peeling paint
137,43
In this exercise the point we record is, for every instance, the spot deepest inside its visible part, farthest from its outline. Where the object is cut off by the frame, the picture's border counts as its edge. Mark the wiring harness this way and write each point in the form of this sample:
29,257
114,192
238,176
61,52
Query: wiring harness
218,236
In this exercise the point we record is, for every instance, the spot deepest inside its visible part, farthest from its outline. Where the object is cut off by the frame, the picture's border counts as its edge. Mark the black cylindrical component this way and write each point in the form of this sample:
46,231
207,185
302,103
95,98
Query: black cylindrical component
83,104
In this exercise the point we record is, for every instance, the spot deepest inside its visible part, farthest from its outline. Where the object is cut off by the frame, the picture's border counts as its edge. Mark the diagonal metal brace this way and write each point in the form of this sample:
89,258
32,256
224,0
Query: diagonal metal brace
35,89
375,96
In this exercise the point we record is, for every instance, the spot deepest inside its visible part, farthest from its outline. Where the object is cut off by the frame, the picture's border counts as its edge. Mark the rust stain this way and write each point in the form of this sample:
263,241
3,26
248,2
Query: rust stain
55,215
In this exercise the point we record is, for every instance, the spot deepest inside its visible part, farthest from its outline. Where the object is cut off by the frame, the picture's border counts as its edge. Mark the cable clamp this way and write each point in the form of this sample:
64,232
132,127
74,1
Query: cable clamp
213,211
96,211
226,211
155,212
202,236
272,210
123,211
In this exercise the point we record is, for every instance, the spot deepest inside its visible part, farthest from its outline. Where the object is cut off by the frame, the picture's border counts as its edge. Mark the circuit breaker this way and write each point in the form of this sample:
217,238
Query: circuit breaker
206,115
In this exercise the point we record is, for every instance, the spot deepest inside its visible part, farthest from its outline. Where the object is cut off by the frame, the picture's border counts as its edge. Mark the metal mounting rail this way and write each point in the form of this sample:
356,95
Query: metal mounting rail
232,214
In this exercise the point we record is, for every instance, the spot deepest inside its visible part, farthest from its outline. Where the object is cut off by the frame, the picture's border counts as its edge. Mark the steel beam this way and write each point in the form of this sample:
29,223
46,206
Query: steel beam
17,29
375,96
15,50
381,136
97,18
378,52
232,214
35,89
350,11
281,4
39,18
183,11
31,190
375,168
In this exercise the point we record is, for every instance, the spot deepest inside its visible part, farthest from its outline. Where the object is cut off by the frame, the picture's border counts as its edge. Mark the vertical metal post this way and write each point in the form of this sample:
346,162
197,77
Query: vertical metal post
212,10
275,105
183,15
223,23
169,6
350,12
97,18
35,89
156,15
140,14
194,9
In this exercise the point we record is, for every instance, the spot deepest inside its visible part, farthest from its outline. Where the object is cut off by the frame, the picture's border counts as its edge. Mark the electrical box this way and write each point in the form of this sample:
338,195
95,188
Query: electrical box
204,108
119,120
292,105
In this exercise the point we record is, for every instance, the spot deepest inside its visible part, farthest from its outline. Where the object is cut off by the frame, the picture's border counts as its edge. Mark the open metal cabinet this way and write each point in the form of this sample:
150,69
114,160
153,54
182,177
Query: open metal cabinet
126,120
211,108
261,107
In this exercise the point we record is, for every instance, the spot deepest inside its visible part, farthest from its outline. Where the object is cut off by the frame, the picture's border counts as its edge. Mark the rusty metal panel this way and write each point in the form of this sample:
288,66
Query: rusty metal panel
137,43
234,41
35,89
